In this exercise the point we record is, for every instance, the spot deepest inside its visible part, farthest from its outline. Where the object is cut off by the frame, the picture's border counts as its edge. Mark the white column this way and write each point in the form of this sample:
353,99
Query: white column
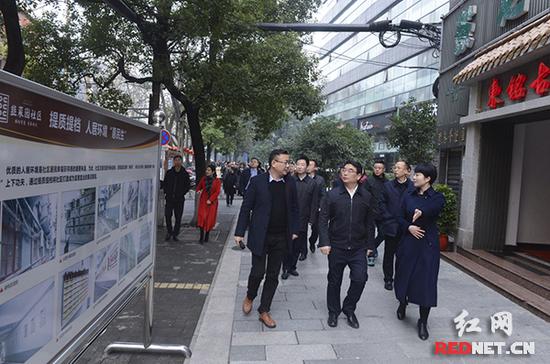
470,175
515,185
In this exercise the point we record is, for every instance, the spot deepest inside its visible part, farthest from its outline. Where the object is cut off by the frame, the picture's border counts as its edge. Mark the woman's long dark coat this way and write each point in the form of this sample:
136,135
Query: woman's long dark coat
417,260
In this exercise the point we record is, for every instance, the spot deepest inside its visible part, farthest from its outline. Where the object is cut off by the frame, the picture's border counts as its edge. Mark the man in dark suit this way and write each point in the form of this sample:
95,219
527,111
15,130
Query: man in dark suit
253,170
312,170
307,193
391,200
346,235
176,184
376,184
270,213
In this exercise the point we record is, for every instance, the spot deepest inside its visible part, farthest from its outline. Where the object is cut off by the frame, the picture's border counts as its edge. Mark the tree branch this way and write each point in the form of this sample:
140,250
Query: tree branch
101,85
129,77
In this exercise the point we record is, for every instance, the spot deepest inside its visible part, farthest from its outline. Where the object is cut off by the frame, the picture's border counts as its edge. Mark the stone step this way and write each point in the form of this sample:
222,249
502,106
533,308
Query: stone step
533,302
526,275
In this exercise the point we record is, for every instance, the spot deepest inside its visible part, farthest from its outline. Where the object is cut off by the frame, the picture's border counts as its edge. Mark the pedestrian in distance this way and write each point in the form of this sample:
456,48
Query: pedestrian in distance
346,220
229,185
209,188
175,185
417,264
252,171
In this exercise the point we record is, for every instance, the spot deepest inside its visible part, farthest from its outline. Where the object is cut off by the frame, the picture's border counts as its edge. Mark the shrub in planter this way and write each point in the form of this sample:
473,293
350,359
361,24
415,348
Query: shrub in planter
447,222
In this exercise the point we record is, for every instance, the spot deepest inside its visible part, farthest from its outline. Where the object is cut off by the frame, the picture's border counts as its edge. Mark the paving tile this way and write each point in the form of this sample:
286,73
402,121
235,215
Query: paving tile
303,352
247,353
264,338
248,326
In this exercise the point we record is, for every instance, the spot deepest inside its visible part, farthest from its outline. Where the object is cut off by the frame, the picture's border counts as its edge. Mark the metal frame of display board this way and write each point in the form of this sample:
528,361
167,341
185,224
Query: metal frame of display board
72,351
147,346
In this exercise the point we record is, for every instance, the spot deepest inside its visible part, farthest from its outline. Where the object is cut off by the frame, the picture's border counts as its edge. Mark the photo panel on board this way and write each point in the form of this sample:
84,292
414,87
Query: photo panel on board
75,291
130,192
128,254
106,270
78,218
26,323
109,199
29,234
145,238
145,197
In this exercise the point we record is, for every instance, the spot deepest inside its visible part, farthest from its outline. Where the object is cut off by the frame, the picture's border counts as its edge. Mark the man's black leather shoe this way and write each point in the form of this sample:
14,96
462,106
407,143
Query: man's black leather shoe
332,320
294,273
284,275
352,321
388,285
302,257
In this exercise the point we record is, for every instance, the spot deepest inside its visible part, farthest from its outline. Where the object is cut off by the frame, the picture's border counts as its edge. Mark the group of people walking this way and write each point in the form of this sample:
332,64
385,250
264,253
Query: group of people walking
279,207
177,183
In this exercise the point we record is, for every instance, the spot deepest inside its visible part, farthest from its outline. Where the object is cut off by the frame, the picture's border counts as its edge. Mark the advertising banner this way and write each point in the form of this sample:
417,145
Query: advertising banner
78,189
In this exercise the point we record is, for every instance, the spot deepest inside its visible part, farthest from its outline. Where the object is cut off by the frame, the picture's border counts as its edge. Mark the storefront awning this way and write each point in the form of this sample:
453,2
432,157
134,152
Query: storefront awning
531,39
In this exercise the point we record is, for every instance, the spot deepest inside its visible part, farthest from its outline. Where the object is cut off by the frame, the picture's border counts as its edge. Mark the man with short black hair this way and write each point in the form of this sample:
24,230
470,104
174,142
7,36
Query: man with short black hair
313,169
270,213
176,184
390,204
252,171
376,184
346,236
307,193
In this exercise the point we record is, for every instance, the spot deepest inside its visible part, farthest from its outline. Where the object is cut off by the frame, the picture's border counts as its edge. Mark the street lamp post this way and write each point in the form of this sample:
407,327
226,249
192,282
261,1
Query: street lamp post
389,34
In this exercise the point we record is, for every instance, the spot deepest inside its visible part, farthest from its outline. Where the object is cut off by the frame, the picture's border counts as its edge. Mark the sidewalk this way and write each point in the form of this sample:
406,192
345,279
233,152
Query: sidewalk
184,271
225,335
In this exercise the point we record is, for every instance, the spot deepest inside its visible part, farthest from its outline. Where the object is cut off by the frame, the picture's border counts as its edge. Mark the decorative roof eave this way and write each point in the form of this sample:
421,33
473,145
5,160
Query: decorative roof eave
533,40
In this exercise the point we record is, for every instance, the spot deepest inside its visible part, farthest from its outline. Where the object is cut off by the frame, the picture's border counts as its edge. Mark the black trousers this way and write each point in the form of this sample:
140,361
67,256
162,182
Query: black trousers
175,208
229,198
338,259
379,234
314,233
390,248
298,245
274,252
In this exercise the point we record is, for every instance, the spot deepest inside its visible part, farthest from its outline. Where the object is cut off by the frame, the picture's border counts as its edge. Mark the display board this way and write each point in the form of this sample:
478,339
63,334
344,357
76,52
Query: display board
78,187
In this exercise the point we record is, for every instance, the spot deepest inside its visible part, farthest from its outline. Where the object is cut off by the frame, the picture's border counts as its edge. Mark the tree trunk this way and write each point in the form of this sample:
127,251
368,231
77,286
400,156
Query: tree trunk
154,100
15,62
198,150
208,152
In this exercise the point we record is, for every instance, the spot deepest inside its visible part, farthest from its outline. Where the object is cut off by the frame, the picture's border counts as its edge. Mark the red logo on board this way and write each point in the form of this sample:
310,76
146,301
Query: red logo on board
494,92
541,85
516,89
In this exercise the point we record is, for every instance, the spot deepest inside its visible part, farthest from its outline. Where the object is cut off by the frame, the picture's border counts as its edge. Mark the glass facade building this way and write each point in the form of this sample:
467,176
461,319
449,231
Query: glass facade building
365,82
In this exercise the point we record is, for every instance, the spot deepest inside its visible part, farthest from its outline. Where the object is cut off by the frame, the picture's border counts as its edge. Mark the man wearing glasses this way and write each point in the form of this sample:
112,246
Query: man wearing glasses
270,213
346,235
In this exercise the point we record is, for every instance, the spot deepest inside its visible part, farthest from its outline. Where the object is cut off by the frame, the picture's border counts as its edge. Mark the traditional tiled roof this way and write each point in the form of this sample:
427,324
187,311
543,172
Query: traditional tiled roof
523,41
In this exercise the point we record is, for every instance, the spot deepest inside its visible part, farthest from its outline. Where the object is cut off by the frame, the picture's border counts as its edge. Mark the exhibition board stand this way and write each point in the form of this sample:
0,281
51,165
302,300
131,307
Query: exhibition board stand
79,193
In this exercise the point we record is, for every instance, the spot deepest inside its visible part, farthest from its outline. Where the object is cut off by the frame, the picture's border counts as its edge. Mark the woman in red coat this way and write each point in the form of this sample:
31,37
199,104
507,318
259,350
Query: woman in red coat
209,188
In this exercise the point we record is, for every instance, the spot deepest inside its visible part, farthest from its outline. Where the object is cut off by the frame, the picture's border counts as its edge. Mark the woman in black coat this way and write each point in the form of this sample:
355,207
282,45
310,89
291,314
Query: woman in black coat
230,185
417,256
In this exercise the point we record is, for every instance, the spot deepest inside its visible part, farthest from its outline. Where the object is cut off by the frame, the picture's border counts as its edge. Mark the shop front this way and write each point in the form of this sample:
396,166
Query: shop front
506,164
